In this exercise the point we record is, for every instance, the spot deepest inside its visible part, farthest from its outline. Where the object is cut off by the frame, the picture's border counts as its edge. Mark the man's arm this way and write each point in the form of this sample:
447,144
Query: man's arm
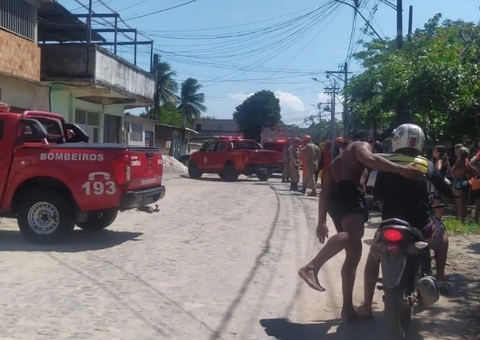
328,182
375,162
438,182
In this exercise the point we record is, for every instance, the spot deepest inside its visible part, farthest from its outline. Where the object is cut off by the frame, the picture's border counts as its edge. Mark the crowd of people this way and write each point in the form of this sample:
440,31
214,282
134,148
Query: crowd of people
405,191
455,165
463,172
314,160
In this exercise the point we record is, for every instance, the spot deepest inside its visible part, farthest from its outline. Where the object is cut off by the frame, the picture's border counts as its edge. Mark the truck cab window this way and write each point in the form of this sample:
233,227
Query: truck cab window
244,145
211,147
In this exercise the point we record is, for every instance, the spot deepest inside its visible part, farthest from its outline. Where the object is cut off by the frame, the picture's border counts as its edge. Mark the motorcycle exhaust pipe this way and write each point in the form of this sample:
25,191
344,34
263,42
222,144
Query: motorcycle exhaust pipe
428,292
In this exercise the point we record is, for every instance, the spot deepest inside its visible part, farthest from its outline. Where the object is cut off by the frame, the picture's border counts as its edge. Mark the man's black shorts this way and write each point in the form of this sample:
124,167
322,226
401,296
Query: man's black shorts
345,198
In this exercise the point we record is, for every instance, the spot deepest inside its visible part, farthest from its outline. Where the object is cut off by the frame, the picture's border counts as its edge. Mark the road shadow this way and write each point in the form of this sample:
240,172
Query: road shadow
474,248
284,329
220,180
465,296
78,241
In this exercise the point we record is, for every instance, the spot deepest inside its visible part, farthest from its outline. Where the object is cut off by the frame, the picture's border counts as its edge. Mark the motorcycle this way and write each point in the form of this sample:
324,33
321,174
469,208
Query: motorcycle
407,280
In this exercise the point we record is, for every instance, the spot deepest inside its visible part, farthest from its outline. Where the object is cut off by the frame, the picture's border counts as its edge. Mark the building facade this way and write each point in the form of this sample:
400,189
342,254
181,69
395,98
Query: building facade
20,56
90,85
139,131
209,127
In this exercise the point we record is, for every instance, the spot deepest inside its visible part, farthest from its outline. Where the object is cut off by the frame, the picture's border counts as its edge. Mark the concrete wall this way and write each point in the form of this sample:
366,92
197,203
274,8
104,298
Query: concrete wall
123,75
24,94
19,56
70,62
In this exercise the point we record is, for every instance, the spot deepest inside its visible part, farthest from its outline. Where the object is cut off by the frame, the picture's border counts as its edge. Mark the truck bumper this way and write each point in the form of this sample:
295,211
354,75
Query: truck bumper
139,198
262,169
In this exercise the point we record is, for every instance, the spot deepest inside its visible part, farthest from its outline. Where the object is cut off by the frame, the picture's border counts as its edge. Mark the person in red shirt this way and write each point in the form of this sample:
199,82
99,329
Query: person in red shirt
326,158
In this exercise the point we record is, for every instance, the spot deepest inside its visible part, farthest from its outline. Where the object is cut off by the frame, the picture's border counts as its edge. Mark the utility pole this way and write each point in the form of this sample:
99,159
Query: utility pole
89,21
410,22
346,112
343,70
156,95
321,113
399,24
333,92
402,113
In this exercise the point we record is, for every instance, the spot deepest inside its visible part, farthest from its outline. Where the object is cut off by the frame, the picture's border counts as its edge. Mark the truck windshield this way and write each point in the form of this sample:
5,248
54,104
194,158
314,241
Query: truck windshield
244,145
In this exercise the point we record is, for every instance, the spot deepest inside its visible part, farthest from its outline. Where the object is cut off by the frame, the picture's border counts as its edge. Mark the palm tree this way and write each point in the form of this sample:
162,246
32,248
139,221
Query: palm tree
167,86
191,102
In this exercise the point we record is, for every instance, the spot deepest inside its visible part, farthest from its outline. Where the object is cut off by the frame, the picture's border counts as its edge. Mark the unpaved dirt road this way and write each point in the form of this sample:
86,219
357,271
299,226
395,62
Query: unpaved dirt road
218,262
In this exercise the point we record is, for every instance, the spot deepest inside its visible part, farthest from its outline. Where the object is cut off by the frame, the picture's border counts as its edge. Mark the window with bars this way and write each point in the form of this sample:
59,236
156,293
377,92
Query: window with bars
137,132
19,17
87,117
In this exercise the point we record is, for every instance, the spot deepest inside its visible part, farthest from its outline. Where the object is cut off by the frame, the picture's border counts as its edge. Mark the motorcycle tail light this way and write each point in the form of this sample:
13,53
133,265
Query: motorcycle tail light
392,235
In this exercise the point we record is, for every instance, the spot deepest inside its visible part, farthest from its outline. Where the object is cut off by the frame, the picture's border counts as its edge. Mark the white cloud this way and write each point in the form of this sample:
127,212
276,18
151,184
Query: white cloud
289,102
240,97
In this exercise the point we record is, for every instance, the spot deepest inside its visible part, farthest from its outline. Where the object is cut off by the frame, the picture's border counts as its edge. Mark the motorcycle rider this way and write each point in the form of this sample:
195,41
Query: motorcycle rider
408,200
343,198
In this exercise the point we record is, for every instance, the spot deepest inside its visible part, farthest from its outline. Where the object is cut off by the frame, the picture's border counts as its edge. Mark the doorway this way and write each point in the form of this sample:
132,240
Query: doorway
111,129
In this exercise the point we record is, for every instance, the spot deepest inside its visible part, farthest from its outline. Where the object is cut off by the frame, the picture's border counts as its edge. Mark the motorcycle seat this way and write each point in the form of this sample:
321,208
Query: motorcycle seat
393,222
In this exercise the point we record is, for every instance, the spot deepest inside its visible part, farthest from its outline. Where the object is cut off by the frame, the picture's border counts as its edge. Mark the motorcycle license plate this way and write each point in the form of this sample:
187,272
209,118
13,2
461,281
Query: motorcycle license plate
262,170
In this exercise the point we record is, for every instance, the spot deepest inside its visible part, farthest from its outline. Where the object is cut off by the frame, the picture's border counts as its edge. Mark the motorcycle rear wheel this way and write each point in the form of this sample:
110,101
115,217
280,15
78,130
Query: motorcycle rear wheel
398,311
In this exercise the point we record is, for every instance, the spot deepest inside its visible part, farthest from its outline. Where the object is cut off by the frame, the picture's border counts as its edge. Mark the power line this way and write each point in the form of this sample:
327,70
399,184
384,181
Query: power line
352,36
160,11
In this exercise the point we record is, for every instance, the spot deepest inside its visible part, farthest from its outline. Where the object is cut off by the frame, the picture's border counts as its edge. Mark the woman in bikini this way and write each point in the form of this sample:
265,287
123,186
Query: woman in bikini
461,172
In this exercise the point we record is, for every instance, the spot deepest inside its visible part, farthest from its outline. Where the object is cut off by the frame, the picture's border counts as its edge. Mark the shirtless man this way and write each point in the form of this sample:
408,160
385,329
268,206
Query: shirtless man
342,196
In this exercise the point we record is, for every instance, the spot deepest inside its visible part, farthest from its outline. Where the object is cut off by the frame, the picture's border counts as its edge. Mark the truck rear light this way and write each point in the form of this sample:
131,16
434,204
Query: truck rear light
121,169
128,172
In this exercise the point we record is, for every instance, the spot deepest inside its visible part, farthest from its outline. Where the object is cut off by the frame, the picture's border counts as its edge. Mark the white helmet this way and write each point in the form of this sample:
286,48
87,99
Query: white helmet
408,136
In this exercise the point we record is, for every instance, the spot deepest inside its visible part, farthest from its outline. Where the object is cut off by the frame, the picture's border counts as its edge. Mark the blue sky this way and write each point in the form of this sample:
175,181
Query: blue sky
235,48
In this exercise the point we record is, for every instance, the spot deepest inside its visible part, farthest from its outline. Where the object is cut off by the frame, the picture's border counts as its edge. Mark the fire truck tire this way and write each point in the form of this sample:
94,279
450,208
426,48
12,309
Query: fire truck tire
231,174
99,220
45,216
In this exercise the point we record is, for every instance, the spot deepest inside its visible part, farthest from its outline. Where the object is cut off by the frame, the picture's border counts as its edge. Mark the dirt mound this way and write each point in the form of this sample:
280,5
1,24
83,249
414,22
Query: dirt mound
172,166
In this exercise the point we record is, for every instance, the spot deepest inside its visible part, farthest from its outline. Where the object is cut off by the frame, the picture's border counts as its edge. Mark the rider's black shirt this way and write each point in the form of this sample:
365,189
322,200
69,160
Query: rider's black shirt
408,199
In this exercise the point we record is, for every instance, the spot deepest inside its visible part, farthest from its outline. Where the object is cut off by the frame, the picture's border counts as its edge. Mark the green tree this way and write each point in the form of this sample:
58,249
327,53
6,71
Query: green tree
191,101
170,115
167,85
260,110
435,76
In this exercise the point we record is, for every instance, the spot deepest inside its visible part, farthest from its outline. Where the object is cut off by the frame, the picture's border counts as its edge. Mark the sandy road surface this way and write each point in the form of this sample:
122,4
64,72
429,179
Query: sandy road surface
219,262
